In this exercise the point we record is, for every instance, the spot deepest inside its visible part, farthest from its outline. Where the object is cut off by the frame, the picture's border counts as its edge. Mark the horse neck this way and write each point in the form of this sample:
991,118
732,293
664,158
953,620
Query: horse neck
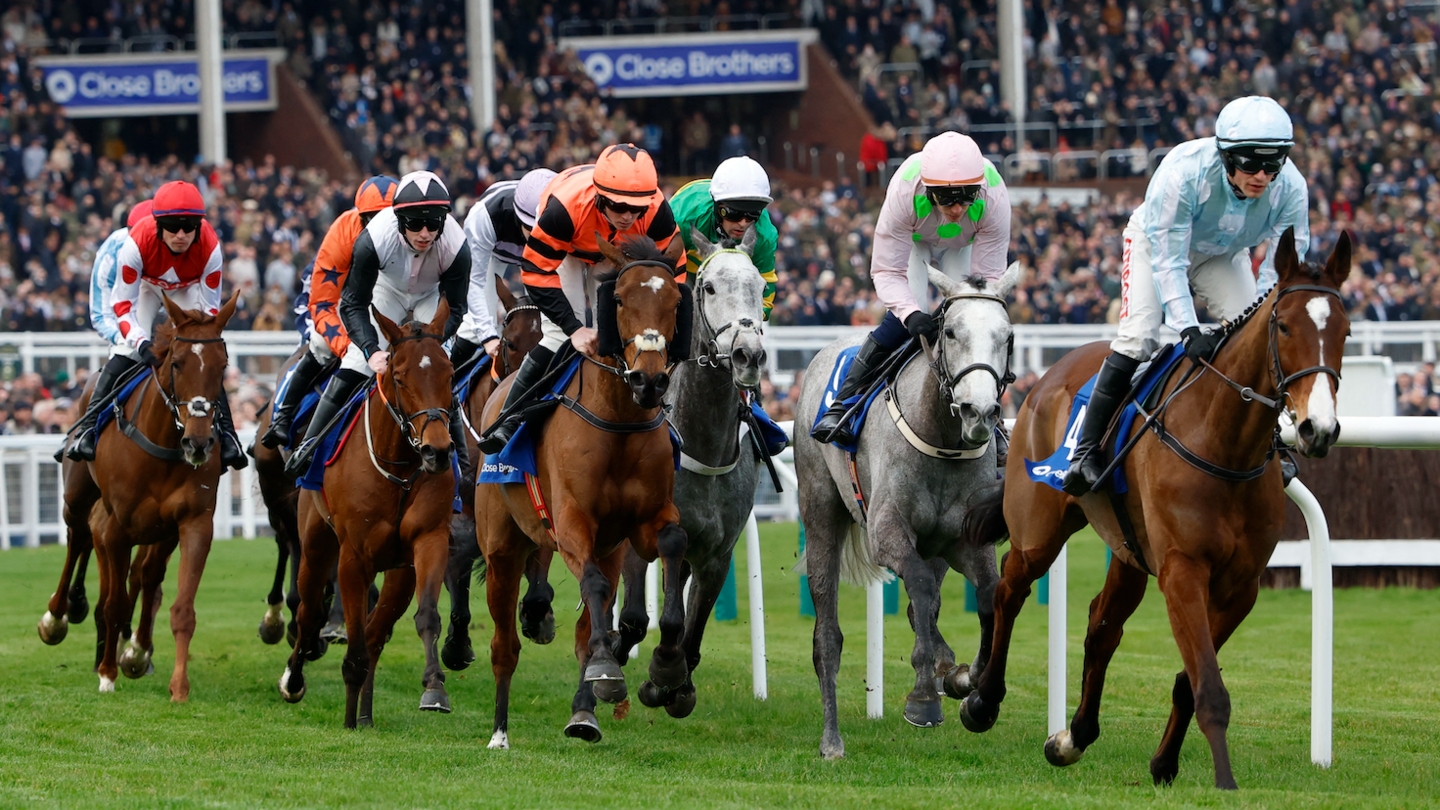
927,412
706,411
152,416
1236,433
386,438
608,397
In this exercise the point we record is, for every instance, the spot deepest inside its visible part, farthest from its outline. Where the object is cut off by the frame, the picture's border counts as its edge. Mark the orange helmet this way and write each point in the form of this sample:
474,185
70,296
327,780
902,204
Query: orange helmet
376,194
625,170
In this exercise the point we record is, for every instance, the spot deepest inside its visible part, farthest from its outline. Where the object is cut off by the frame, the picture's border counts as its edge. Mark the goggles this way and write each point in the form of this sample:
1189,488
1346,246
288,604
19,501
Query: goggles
623,208
183,224
427,223
735,213
952,195
1250,163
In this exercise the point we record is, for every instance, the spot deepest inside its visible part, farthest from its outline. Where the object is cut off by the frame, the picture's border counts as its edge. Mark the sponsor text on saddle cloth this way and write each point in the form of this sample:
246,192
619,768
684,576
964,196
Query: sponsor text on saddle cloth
1051,471
334,441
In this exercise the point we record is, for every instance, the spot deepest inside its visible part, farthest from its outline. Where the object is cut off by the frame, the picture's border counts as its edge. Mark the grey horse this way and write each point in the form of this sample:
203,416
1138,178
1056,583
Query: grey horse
715,487
917,498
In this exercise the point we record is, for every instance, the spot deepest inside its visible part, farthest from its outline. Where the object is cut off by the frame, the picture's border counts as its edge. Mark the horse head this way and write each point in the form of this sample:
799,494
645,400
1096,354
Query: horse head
520,331
192,373
973,361
730,297
1308,328
419,385
639,324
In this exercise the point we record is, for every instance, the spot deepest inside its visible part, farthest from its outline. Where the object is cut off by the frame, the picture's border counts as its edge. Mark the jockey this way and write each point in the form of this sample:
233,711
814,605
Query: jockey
946,207
496,227
327,339
173,253
617,195
1210,202
404,260
725,206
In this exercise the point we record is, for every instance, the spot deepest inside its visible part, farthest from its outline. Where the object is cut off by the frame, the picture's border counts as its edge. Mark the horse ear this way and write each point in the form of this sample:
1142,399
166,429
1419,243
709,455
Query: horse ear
176,311
946,285
703,246
442,314
1337,269
227,309
611,253
675,253
752,236
387,327
1007,282
1287,261
502,290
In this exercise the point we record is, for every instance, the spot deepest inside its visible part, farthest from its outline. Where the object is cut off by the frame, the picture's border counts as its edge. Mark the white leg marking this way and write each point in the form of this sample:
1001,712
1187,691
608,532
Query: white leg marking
272,614
499,741
106,685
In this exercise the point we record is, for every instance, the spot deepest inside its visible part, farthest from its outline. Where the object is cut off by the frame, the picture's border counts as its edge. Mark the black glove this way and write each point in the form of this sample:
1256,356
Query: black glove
462,350
920,323
1199,345
146,350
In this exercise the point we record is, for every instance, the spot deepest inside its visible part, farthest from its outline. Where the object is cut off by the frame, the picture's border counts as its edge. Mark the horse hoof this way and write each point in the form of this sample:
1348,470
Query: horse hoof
668,674
53,629
321,646
285,687
958,683
682,703
456,656
651,695
334,633
977,715
107,686
272,627
924,713
435,700
499,741
584,726
1163,773
79,608
603,669
365,722
1060,749
134,662
540,631
610,691
832,749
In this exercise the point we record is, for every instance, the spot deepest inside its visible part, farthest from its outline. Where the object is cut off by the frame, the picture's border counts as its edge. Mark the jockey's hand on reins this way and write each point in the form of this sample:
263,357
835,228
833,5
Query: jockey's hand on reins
922,323
146,350
1199,344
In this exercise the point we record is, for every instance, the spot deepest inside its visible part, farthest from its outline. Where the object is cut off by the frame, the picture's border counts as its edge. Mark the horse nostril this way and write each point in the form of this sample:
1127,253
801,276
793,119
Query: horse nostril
761,357
739,356
1306,431
662,383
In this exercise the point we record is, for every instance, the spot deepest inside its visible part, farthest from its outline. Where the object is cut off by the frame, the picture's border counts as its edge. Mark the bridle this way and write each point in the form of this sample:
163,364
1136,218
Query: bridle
712,356
507,343
195,407
406,421
940,369
633,377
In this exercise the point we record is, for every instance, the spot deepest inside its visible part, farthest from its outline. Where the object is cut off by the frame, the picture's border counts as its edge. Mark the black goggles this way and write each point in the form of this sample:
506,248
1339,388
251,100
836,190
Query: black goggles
1254,164
735,214
178,224
417,224
622,208
945,196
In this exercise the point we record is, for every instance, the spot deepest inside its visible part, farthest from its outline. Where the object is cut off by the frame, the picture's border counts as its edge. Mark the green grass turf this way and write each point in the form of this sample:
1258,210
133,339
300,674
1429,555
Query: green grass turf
237,744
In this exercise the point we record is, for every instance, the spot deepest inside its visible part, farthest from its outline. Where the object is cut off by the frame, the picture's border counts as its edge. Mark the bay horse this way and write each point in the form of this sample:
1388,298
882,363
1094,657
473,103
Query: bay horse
153,484
385,505
1205,505
605,475
519,333
901,499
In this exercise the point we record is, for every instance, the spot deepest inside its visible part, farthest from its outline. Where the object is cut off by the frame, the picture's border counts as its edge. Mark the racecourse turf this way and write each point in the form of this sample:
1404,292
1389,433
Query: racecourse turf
237,744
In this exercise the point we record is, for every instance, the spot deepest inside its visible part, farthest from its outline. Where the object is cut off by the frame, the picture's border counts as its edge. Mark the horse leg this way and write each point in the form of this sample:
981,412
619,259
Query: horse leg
1117,600
634,621
709,580
195,538
136,660
430,553
68,603
600,669
502,586
356,577
335,629
922,705
319,548
827,525
1166,762
272,627
537,616
977,563
457,652
392,604
113,553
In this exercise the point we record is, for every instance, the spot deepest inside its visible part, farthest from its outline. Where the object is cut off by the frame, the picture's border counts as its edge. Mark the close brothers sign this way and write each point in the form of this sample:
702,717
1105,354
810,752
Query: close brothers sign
696,64
114,85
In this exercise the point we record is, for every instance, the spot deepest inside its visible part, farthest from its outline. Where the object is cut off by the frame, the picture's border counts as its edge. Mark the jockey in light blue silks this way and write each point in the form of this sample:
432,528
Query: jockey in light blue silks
1210,202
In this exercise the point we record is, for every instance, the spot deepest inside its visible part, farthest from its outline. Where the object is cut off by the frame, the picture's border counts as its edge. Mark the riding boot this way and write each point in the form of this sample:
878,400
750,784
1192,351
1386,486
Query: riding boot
457,440
461,352
498,435
830,427
337,392
84,447
302,379
1088,462
232,455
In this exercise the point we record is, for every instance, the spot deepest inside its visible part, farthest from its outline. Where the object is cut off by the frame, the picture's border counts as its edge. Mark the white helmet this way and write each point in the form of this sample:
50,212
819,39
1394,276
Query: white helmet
527,195
1254,121
740,178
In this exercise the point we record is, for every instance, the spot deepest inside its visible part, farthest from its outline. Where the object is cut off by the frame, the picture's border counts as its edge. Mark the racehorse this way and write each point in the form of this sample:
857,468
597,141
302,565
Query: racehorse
604,461
385,505
281,498
715,487
901,499
519,333
1204,510
153,484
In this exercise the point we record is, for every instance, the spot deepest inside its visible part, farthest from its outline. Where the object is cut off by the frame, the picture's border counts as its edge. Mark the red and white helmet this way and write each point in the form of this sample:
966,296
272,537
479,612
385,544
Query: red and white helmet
952,159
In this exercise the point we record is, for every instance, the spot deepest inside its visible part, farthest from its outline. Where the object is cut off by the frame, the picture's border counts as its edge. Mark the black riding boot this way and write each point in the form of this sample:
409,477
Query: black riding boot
498,435
84,447
1088,462
829,428
302,379
457,440
337,392
231,453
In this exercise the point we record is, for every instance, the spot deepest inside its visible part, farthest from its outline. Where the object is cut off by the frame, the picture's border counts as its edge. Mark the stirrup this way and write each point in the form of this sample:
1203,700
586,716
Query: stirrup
301,457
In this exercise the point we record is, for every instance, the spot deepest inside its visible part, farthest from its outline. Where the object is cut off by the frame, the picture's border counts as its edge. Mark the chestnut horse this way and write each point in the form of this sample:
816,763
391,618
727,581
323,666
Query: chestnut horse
385,505
152,484
1205,506
605,474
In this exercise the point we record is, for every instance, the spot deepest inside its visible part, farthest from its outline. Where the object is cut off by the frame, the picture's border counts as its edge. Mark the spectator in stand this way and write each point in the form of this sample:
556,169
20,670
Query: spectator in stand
734,144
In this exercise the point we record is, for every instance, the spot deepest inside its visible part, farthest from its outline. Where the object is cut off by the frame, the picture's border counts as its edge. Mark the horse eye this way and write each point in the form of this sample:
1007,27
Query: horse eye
618,303
709,288
1284,330
949,333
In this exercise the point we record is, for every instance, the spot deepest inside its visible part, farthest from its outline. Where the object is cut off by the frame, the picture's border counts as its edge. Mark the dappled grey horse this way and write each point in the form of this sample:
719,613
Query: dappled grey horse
925,449
715,487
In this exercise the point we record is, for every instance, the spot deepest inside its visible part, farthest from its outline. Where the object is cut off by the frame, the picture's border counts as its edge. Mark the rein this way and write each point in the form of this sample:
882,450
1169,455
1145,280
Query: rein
405,421
941,369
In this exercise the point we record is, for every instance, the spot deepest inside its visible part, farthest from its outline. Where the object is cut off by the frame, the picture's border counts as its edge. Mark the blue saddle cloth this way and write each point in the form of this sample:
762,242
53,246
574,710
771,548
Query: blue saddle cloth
771,434
517,458
123,396
1051,471
856,420
463,385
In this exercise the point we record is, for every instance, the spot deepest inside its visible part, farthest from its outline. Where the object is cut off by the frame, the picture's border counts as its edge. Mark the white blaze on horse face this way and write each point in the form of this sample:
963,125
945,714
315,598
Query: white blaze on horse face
1320,408
196,349
655,283
649,341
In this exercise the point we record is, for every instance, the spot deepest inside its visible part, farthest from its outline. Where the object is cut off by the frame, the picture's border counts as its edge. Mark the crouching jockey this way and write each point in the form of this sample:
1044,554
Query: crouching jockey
327,339
404,260
725,207
496,228
948,208
175,253
1210,202
616,196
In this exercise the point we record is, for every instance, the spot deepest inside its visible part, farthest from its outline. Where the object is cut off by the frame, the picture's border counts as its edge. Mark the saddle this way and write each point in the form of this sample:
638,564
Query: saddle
858,406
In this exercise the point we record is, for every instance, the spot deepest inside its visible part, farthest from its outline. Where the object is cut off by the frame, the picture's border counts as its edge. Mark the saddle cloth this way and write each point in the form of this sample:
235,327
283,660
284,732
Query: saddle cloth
1148,379
123,396
856,419
463,385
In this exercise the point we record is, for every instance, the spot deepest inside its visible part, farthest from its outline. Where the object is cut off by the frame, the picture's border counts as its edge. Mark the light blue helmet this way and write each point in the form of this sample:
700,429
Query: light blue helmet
1254,121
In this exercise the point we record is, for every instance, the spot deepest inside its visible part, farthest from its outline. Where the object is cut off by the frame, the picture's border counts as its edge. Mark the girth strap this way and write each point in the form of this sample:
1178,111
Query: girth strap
1127,530
612,427
133,433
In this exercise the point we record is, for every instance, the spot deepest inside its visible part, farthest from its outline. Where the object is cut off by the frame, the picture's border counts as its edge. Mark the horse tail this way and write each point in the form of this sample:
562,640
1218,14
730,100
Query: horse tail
985,522
857,559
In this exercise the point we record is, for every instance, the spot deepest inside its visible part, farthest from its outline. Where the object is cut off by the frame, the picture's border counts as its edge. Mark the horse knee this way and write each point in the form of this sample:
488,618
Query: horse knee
594,583
182,619
672,542
354,670
427,620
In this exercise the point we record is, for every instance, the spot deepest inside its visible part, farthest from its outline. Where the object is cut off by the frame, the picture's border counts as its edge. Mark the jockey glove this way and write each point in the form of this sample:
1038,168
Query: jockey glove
1199,345
146,350
920,323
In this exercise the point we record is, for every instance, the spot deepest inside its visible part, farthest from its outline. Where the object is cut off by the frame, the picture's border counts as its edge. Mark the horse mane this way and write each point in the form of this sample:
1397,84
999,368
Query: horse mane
162,337
1313,273
636,249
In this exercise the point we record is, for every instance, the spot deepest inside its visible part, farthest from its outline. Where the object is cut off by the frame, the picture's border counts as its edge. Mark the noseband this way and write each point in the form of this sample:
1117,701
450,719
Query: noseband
406,421
633,377
195,407
941,369
713,357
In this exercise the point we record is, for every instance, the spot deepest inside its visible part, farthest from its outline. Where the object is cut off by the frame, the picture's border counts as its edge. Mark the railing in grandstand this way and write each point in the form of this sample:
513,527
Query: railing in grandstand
146,43
676,25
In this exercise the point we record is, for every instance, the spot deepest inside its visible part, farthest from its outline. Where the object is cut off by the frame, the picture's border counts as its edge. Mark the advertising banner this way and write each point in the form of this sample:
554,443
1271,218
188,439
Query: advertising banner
114,85
696,64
